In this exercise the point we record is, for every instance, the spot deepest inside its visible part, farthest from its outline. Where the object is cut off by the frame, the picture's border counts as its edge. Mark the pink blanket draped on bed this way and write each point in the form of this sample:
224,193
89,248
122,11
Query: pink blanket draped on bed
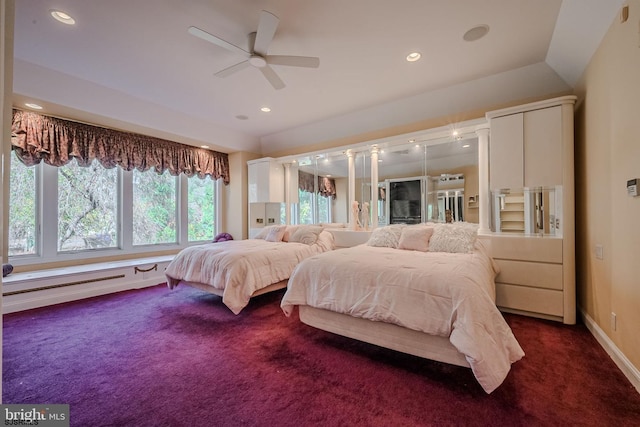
445,294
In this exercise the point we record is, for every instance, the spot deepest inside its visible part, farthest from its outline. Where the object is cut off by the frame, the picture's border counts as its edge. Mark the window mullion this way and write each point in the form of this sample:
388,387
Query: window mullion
126,209
48,211
182,206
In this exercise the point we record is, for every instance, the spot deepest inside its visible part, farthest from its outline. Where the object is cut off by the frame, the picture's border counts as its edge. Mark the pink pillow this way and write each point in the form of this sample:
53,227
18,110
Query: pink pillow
415,238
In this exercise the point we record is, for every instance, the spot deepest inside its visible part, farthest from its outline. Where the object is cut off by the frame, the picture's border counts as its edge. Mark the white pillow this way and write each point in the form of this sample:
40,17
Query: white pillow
289,231
276,233
325,240
264,232
415,238
455,238
386,237
307,234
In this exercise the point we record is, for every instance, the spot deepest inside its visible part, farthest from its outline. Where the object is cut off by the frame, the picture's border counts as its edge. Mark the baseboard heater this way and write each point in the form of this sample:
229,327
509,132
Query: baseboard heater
62,285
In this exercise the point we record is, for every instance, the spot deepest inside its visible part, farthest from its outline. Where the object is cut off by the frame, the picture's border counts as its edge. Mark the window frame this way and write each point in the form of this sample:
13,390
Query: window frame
46,194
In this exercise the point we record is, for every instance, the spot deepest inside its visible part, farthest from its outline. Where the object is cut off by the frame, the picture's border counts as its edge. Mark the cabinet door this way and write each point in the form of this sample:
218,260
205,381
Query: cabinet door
506,152
266,181
543,147
273,213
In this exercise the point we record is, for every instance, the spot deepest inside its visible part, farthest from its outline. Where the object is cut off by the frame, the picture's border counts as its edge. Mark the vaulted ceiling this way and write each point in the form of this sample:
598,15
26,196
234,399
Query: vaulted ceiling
133,65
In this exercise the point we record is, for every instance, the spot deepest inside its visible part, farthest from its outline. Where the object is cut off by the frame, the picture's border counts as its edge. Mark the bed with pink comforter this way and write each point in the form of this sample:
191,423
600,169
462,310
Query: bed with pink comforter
444,294
237,269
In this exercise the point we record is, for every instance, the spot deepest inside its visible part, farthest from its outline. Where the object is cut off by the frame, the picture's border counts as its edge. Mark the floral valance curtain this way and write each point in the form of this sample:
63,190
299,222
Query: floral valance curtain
35,138
326,186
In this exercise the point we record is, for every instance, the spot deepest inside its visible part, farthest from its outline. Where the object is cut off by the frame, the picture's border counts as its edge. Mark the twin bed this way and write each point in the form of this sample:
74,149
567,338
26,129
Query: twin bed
238,270
426,290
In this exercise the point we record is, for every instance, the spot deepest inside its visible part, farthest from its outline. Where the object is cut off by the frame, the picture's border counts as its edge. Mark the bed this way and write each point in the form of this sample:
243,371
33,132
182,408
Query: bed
238,270
426,290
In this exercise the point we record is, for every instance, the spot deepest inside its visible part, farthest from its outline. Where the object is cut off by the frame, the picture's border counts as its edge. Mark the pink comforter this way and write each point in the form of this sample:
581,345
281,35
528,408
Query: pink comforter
241,267
445,294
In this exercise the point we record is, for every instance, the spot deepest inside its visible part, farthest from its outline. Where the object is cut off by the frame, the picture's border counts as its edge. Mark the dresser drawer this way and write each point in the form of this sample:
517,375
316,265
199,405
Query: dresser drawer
545,301
532,274
539,249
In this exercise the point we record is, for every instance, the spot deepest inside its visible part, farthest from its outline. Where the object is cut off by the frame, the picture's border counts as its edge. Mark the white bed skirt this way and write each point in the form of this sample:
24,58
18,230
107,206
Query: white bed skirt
384,335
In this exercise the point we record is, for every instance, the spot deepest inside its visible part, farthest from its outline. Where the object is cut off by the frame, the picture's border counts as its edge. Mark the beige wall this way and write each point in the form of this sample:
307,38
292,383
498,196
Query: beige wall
235,197
607,155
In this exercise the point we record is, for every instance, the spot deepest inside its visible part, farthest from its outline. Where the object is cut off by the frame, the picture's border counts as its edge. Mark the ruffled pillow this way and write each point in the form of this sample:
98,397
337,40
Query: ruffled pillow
275,233
415,238
456,238
307,234
386,237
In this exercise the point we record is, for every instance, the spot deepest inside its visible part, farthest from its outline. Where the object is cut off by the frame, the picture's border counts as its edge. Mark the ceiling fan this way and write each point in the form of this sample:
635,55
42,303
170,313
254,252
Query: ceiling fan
257,55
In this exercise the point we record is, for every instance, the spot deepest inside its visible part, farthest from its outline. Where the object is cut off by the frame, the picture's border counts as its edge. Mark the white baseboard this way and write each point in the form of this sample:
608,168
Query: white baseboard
43,300
625,365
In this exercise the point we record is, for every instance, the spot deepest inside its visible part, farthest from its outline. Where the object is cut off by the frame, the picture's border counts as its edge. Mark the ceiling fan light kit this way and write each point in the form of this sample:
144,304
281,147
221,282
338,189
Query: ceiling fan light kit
257,57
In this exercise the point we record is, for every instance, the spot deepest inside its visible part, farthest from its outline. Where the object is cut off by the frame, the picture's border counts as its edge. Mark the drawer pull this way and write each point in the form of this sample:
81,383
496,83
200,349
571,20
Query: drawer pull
141,270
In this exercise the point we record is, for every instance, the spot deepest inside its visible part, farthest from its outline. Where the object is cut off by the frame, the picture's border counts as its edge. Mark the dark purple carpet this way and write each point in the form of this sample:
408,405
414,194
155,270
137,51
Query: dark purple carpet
155,357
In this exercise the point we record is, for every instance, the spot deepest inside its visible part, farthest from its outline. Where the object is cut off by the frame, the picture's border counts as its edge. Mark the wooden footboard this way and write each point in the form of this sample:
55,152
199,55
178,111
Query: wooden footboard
384,335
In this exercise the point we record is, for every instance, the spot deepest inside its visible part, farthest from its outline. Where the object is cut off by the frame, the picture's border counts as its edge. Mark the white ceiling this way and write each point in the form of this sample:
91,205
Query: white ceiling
133,65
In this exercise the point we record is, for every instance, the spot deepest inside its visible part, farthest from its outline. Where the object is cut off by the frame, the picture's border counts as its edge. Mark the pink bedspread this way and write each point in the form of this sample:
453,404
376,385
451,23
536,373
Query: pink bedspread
445,294
241,267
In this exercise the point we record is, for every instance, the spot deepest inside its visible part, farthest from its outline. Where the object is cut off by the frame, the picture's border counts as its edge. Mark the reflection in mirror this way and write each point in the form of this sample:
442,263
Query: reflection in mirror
363,182
432,157
533,211
321,190
441,178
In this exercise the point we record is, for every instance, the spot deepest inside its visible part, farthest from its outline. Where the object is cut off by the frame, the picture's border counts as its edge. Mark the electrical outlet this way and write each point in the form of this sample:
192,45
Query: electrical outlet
614,321
599,252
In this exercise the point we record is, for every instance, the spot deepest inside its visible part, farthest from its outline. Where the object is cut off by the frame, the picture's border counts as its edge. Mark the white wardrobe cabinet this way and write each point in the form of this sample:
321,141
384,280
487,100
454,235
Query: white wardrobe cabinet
531,152
266,180
525,148
263,214
266,194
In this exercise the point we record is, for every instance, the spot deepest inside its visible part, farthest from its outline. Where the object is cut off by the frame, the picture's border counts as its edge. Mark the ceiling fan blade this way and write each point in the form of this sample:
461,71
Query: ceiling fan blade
293,61
266,30
234,68
273,78
217,41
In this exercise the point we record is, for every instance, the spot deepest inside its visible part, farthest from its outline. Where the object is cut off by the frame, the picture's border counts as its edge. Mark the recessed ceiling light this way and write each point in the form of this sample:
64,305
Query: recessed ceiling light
265,109
413,56
454,133
466,146
476,33
204,146
242,117
34,106
63,17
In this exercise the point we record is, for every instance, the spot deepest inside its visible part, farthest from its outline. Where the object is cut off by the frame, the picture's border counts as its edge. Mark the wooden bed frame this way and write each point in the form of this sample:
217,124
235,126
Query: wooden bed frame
384,335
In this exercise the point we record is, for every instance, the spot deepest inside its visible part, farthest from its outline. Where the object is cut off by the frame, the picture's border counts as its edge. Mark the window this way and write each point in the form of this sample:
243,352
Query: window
22,233
308,203
202,209
87,207
154,208
62,213
305,207
324,208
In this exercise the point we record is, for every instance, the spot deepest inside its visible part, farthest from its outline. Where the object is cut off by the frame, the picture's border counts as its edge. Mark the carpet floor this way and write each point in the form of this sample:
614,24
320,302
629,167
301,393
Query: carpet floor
155,357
